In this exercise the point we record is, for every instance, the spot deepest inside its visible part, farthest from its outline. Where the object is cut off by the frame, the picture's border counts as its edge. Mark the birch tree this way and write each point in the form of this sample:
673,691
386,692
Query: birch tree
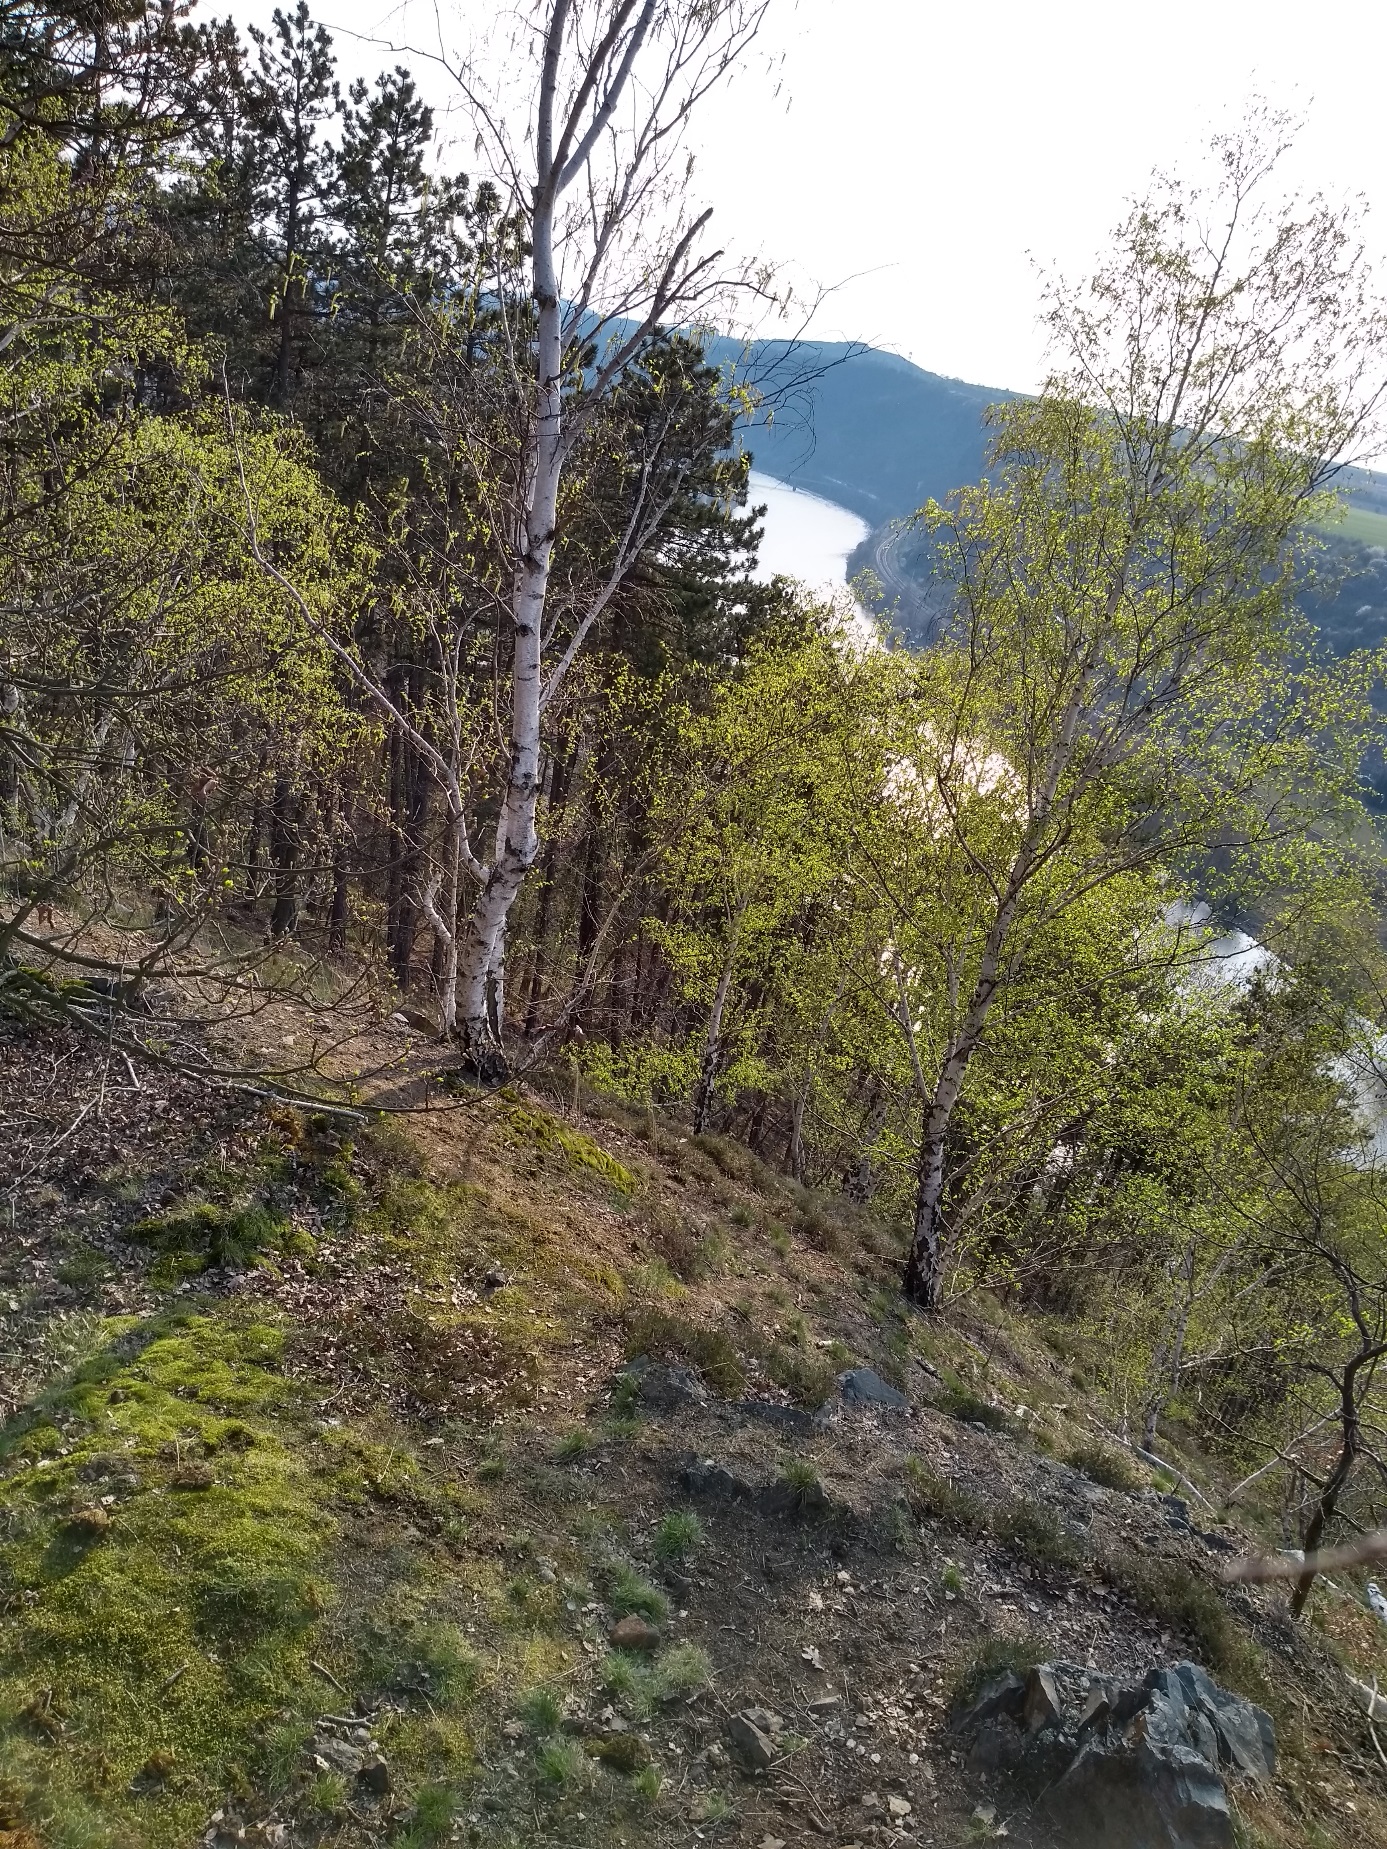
1123,685
594,163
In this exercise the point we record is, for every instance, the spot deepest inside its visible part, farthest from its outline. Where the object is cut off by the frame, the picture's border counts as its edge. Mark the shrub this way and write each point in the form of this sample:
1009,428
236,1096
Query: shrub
1170,1592
668,1336
1104,1466
959,1403
808,1378
1035,1533
934,1498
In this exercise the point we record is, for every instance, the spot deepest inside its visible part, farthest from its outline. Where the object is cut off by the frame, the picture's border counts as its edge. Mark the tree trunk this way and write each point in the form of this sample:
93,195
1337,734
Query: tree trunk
712,1043
517,840
284,856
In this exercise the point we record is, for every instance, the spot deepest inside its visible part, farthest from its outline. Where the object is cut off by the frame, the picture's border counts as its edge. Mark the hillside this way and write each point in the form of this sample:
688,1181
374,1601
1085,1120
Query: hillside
867,429
881,436
332,1512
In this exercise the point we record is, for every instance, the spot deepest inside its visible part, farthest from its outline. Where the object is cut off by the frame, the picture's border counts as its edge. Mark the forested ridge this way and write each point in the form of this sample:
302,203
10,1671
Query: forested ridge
381,659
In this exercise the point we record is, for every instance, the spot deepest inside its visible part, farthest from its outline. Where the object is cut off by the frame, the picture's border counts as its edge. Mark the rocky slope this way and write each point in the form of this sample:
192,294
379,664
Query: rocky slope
523,1471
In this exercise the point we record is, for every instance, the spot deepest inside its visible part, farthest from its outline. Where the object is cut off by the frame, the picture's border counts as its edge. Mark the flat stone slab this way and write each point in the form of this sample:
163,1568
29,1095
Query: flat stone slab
862,1386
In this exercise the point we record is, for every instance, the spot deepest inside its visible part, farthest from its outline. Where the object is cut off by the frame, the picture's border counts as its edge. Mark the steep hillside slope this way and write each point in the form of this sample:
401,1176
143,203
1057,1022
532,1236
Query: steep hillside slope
869,430
331,1511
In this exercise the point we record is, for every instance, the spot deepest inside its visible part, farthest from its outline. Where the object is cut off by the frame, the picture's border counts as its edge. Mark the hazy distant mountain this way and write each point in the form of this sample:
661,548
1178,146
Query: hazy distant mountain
866,429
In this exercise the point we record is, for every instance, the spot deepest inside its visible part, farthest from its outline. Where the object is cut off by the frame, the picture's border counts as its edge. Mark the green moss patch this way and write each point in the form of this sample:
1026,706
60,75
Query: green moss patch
163,1555
203,1233
551,1137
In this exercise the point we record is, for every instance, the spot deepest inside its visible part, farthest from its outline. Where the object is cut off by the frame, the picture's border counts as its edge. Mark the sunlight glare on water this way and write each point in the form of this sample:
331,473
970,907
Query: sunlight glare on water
806,537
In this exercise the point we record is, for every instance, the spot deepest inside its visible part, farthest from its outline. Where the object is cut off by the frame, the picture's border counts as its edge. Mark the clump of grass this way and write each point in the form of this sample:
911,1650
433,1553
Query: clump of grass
678,1534
683,1670
992,1658
648,1783
561,1764
1035,1534
630,1595
932,1497
430,1658
1104,1466
193,1616
951,1580
540,1709
808,1377
959,1403
201,1234
430,1818
575,1445
640,1685
667,1336
327,1796
1170,1592
492,1466
552,1137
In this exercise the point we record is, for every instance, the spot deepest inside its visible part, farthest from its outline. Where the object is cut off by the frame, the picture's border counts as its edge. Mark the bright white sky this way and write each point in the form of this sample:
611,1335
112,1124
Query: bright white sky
919,159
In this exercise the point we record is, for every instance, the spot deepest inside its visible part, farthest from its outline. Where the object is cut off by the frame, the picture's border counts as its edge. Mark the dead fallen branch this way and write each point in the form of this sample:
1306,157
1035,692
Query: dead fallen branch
1329,1560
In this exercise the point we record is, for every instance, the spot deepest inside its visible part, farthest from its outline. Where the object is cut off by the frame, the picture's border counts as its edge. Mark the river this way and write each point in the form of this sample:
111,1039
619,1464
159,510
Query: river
806,537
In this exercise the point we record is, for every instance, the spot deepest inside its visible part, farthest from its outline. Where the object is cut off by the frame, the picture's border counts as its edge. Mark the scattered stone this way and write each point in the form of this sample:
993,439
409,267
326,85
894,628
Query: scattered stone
753,1747
771,1842
899,1808
1040,1705
336,1755
862,1386
766,1720
374,1777
703,1476
633,1633
493,1280
663,1386
825,1704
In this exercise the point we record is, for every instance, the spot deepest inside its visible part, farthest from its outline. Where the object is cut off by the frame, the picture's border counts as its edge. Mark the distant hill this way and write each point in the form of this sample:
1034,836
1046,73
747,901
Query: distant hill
866,429
881,436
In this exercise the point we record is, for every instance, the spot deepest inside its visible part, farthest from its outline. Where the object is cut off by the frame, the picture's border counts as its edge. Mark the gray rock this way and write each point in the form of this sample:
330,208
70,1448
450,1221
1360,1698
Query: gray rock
861,1386
753,1747
375,1777
704,1476
664,1387
340,1755
1157,1797
1004,1696
1041,1706
784,1418
1142,1768
1246,1733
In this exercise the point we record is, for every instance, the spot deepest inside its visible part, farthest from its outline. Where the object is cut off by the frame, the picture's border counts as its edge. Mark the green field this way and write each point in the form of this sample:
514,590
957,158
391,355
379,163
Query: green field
1360,523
